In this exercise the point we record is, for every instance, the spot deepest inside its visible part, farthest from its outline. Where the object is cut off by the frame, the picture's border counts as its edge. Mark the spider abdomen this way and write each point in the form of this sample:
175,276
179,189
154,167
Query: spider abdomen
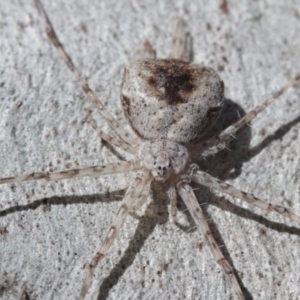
171,99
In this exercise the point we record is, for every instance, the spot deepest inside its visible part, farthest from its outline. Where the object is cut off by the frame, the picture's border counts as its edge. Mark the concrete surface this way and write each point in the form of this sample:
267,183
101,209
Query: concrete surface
48,231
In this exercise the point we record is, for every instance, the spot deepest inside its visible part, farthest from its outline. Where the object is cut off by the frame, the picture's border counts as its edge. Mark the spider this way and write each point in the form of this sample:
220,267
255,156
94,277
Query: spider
170,104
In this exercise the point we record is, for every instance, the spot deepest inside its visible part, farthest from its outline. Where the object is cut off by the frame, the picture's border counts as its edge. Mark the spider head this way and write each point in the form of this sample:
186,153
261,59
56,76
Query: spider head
162,169
163,158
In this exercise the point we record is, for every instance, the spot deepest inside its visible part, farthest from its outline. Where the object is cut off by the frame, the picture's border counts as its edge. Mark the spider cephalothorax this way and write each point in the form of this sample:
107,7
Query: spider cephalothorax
163,158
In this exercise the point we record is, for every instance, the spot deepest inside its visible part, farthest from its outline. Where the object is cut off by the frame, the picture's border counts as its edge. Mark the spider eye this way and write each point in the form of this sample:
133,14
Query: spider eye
164,168
159,168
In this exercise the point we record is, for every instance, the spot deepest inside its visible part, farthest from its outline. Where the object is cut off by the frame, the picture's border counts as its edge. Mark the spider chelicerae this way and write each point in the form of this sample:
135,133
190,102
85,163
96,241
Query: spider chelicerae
170,104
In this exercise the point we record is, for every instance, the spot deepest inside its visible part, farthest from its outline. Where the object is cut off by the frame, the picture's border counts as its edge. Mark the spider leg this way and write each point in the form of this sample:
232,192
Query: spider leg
110,139
143,197
171,192
196,212
181,43
209,181
132,193
219,141
122,133
149,50
119,167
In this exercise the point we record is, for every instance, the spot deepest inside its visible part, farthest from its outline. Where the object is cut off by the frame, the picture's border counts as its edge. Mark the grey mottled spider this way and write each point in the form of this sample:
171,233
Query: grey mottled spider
169,103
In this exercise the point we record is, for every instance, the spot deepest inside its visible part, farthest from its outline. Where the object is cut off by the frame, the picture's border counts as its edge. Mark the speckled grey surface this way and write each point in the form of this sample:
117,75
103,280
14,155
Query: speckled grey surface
48,231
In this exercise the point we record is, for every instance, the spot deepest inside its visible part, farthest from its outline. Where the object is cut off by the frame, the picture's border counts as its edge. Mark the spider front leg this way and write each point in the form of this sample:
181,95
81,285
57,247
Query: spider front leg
211,182
132,193
196,212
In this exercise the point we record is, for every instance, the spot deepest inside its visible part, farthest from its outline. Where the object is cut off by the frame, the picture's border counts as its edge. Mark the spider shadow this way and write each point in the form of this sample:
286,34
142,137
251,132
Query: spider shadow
225,165
156,214
63,200
228,165
206,195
